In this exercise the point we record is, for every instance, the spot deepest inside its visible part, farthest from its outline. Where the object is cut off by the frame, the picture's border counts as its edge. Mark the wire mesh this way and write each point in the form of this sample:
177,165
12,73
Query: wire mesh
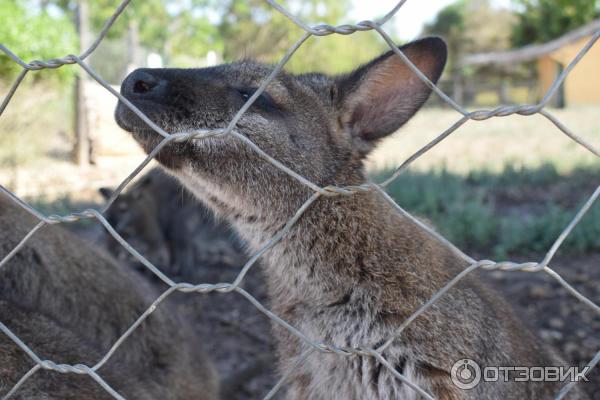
315,345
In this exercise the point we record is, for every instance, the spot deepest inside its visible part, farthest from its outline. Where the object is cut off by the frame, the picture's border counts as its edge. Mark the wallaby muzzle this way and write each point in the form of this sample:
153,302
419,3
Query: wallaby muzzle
157,93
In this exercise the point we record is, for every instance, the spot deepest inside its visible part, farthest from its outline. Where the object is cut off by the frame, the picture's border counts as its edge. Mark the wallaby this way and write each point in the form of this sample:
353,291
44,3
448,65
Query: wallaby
70,303
351,269
161,220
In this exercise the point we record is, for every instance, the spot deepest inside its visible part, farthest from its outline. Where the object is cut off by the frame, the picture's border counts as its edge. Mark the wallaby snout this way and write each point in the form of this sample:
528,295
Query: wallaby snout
143,84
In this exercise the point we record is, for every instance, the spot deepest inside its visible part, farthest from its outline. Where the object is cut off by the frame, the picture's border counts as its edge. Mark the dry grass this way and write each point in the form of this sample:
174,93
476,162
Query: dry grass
36,141
491,145
36,125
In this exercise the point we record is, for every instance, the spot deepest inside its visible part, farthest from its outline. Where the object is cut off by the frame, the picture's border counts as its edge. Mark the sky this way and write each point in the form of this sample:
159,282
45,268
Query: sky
409,20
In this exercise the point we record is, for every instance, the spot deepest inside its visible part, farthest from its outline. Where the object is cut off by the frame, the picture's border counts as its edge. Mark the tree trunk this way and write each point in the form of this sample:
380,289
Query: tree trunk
458,89
134,56
82,141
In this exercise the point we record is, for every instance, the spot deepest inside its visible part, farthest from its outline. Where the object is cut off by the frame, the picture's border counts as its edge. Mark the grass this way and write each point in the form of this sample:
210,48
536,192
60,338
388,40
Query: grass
515,212
36,125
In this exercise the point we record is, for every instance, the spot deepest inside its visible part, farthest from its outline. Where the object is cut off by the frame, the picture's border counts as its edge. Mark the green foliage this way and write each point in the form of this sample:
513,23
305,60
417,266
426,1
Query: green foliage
183,32
169,27
33,34
254,29
544,20
336,53
501,215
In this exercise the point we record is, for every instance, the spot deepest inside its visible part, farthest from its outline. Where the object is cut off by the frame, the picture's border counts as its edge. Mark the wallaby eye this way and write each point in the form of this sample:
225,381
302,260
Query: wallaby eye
264,101
246,93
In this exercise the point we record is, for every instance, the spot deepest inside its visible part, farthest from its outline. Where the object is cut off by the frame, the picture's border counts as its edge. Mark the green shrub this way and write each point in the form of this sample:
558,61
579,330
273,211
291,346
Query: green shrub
33,34
471,211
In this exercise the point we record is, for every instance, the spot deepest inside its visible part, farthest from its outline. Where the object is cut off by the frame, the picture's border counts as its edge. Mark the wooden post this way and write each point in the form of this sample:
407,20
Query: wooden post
458,89
134,58
82,143
503,92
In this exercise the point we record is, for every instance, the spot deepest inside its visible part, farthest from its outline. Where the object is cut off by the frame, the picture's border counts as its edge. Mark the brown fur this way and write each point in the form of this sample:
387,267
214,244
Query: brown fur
69,303
351,270
163,221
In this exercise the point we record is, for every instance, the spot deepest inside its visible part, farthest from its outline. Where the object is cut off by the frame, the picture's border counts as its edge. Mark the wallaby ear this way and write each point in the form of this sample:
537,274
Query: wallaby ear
379,97
106,192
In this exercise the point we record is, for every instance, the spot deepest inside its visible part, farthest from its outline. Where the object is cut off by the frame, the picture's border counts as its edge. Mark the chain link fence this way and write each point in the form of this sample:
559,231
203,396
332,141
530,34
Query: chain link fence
315,345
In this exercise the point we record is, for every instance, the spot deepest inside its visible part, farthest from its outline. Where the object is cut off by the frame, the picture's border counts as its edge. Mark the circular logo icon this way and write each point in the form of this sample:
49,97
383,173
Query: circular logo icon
465,374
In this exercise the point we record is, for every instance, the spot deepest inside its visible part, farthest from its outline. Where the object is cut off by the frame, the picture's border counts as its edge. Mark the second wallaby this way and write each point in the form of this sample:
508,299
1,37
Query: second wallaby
162,221
70,303
351,269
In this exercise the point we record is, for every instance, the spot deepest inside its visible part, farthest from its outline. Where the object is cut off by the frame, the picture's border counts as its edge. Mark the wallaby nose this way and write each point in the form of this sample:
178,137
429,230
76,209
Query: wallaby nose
143,83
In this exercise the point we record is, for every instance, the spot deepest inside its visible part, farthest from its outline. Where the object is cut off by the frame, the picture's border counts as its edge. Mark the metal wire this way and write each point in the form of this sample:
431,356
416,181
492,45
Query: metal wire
314,344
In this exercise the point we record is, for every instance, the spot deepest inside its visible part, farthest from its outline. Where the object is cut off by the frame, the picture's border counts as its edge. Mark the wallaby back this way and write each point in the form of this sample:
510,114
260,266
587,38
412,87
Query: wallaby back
70,303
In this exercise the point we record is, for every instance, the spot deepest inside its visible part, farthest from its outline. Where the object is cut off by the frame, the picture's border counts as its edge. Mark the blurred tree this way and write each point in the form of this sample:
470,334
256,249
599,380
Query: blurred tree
254,29
33,33
184,31
336,54
543,20
450,24
169,27
471,26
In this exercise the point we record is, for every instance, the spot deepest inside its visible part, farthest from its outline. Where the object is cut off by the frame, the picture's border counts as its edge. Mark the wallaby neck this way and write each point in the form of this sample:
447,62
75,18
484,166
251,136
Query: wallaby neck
330,249
339,243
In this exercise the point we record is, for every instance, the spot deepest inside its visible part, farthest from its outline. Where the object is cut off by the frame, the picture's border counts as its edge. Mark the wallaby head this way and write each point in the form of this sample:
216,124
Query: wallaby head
135,216
320,126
